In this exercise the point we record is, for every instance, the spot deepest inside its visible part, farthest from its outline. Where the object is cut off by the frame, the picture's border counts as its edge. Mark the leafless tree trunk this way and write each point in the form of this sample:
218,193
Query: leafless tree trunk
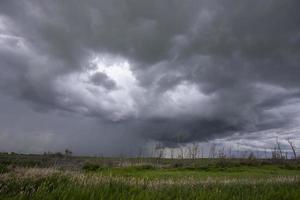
189,152
180,146
230,152
212,151
293,148
202,152
221,153
279,148
193,151
266,153
140,152
243,154
172,153
238,150
159,150
286,154
275,153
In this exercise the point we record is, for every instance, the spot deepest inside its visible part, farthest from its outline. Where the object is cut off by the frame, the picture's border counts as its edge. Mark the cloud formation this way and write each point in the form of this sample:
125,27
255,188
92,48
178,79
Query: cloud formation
163,70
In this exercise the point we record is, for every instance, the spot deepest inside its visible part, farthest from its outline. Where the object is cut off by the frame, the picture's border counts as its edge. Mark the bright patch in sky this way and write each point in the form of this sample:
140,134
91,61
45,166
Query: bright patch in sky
128,98
117,103
115,68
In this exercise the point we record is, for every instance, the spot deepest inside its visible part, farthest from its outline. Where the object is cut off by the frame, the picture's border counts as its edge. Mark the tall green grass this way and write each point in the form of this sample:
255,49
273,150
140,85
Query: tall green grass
37,177
61,187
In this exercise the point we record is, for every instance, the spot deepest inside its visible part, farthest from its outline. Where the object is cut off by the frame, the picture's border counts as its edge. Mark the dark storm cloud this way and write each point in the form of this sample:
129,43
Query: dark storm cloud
26,131
203,69
102,79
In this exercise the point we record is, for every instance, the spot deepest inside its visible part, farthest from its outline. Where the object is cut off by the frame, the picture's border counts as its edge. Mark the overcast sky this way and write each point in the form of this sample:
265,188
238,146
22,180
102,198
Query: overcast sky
108,76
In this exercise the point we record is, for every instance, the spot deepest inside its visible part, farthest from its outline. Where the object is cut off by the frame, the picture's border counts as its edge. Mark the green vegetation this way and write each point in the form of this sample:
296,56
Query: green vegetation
236,172
62,188
3,169
56,177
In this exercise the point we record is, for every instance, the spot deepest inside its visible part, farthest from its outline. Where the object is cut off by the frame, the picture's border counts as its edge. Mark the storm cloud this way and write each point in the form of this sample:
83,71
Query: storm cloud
169,71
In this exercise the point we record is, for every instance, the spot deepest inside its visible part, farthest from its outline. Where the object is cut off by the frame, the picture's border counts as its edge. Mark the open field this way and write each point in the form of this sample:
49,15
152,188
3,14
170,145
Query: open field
59,177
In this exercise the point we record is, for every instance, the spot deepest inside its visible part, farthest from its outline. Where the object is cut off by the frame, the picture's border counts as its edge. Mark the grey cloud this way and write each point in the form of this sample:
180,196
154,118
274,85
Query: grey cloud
102,79
24,130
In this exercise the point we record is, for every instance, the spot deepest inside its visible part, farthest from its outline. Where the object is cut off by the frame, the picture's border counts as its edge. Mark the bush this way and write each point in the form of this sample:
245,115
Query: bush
177,165
91,167
225,164
204,168
289,166
3,169
144,167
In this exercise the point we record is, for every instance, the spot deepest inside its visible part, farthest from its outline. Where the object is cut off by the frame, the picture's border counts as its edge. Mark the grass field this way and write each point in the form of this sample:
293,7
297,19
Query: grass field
57,177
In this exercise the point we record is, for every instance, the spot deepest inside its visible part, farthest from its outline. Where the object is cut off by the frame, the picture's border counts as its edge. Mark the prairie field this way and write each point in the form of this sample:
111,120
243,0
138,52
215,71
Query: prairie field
149,100
61,177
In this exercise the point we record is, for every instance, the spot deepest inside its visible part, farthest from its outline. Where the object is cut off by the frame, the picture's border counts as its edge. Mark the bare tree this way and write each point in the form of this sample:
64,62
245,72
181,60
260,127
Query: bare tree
275,153
189,152
68,152
172,153
212,151
181,152
178,153
265,153
243,154
251,156
238,150
286,153
140,152
193,150
230,152
159,150
186,152
221,153
292,147
179,135
279,149
202,152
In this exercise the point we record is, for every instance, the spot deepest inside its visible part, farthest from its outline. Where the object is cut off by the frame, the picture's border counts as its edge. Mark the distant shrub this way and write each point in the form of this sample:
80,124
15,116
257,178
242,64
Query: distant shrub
58,155
3,169
29,163
54,155
91,167
223,163
109,163
144,167
251,162
290,166
251,156
6,162
177,165
204,168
